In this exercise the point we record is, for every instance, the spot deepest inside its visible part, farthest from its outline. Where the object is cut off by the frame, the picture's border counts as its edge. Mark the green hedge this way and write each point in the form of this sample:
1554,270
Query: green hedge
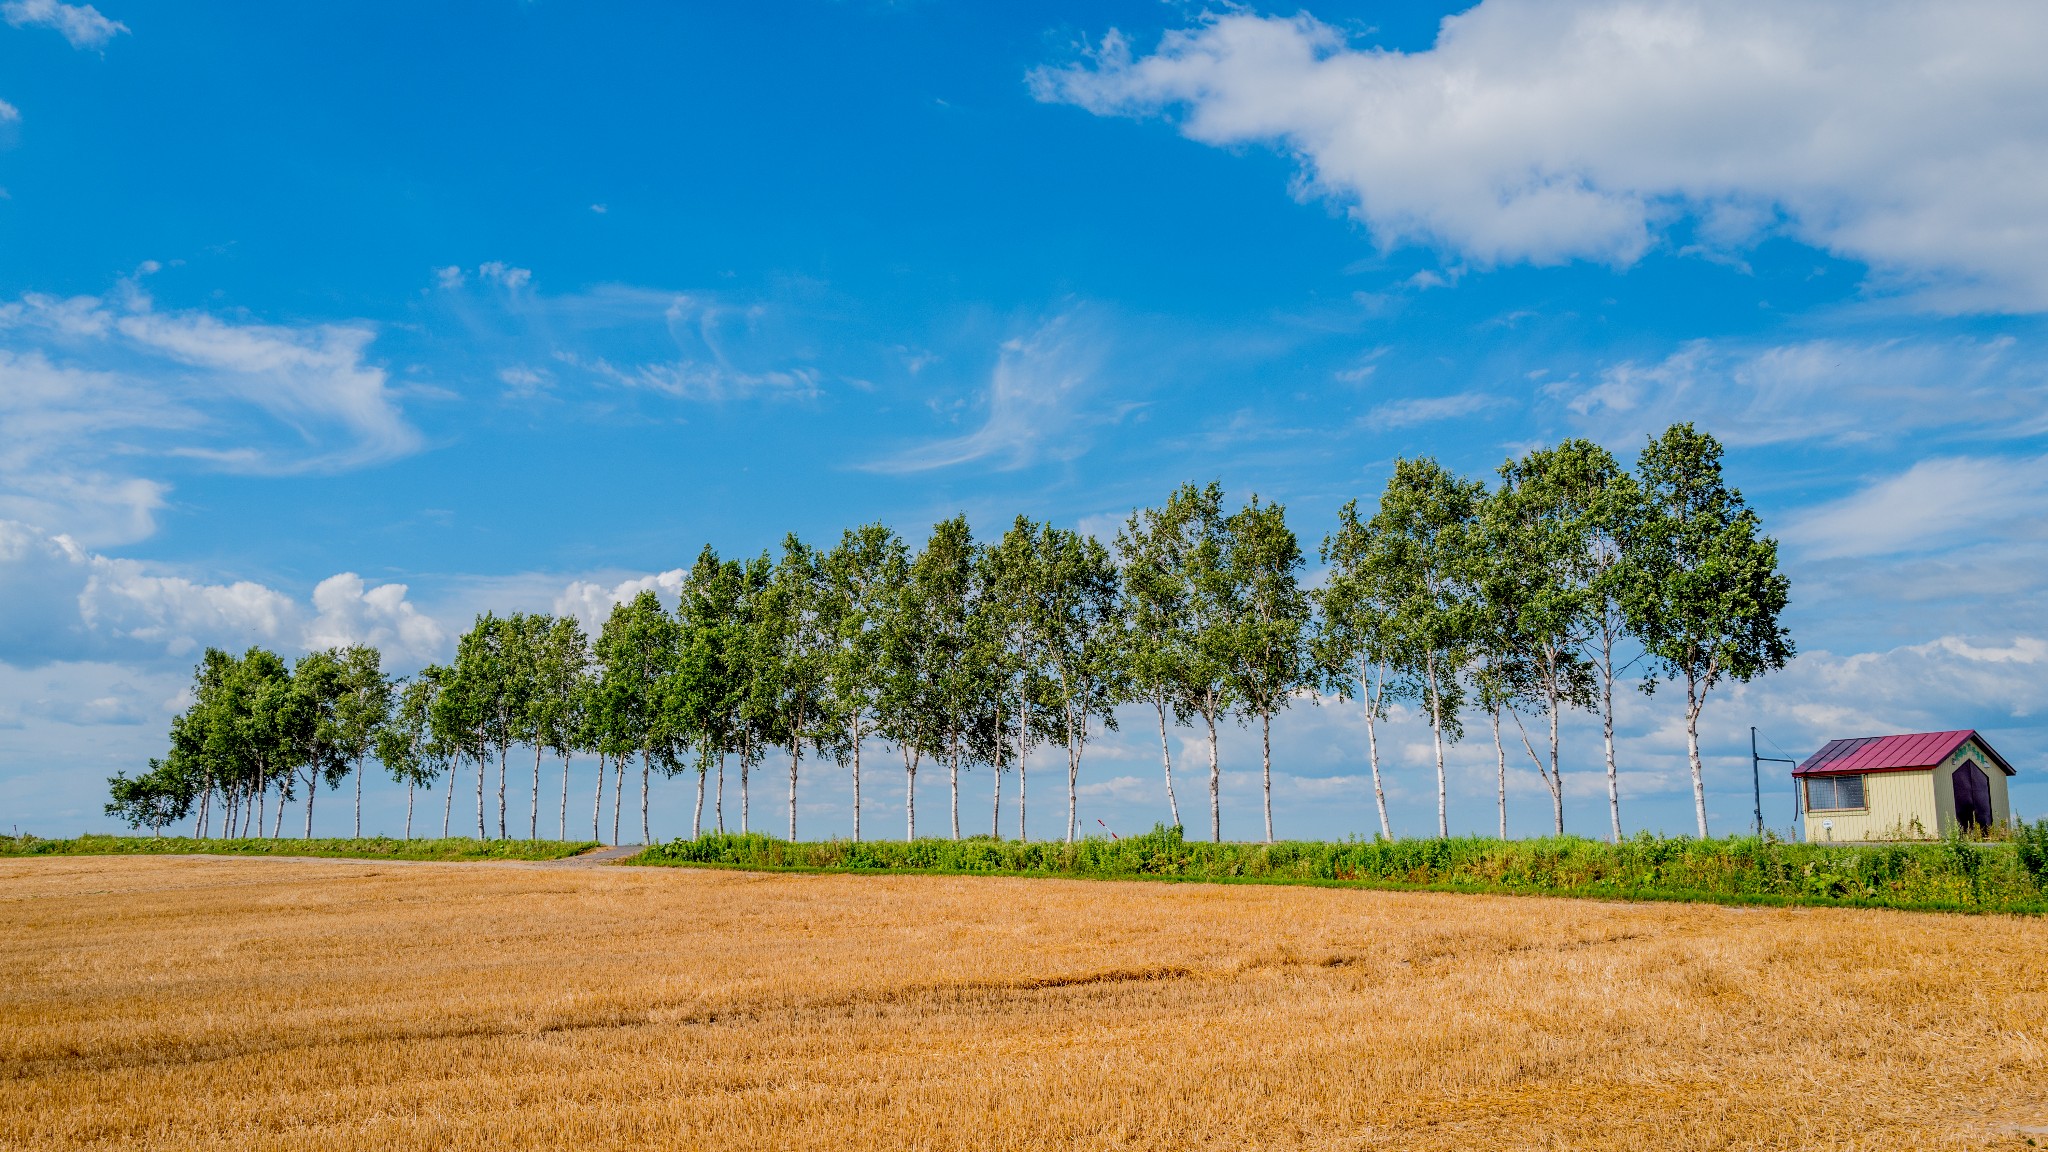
2004,876
375,848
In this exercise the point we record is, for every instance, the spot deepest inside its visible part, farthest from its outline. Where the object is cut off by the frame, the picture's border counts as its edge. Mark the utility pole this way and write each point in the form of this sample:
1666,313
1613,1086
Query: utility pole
1756,777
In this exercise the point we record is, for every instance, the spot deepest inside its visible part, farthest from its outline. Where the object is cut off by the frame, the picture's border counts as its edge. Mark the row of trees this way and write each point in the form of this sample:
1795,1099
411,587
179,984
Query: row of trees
1517,602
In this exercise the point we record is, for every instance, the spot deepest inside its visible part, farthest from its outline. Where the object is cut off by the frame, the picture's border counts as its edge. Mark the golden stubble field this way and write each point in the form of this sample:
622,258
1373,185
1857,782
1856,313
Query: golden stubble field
222,1003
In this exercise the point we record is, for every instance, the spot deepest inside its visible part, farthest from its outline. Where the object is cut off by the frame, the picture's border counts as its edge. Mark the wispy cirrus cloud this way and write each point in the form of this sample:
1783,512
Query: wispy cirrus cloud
1031,408
689,345
1829,390
1933,506
92,388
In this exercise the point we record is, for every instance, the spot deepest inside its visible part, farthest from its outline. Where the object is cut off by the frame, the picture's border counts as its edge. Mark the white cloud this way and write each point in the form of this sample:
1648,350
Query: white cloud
1905,135
81,24
1425,409
350,612
91,388
66,602
1030,408
496,272
8,113
126,600
591,602
1934,505
1845,391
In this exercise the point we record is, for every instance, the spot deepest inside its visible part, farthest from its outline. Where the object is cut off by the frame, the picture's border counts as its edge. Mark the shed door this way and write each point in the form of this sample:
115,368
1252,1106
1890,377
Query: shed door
1973,796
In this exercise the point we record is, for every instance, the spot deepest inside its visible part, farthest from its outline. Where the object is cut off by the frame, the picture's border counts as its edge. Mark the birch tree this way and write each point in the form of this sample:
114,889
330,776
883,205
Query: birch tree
1425,519
1705,594
862,578
1268,637
1354,643
1154,613
1535,575
407,746
1071,616
561,655
802,644
634,654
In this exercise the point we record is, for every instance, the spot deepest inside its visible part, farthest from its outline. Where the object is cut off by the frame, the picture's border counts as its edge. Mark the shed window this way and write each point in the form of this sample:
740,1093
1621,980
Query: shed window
1827,792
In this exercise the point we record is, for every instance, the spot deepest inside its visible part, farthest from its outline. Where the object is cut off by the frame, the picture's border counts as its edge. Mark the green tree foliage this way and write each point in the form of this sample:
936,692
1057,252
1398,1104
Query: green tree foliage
159,797
1705,593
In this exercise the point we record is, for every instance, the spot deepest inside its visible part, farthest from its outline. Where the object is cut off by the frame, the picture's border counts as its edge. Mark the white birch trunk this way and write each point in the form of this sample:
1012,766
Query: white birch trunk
618,796
1266,766
646,770
1436,729
533,808
1607,725
359,798
1500,753
697,816
1694,698
796,755
856,781
1166,758
910,762
1372,745
1215,781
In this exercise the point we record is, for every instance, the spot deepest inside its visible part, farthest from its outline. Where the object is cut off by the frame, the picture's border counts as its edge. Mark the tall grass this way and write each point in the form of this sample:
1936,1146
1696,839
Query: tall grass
372,848
1950,875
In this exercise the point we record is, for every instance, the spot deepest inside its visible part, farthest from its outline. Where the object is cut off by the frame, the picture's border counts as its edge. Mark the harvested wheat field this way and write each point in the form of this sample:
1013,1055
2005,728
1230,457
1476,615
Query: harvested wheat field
224,1003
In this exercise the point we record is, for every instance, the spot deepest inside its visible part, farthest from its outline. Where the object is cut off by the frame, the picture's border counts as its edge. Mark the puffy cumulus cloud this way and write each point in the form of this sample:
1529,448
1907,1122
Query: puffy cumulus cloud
591,602
81,24
1908,136
348,611
91,388
1845,391
68,603
124,600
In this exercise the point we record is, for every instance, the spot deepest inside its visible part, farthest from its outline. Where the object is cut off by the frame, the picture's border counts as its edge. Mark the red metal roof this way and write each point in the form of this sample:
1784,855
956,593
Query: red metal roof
1891,753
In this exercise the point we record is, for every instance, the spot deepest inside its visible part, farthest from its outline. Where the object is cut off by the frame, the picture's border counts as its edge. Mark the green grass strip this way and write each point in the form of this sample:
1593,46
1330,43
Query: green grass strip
1948,876
371,848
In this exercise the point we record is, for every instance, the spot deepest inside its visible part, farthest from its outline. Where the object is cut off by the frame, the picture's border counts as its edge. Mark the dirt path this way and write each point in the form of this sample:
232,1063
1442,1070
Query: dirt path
600,856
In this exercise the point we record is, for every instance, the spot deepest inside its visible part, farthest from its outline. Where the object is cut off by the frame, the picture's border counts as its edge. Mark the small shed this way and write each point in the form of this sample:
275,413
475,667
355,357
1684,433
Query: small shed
1915,786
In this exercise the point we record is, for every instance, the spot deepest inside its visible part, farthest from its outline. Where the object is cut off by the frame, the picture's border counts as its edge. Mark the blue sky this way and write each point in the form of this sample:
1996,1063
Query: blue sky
344,324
